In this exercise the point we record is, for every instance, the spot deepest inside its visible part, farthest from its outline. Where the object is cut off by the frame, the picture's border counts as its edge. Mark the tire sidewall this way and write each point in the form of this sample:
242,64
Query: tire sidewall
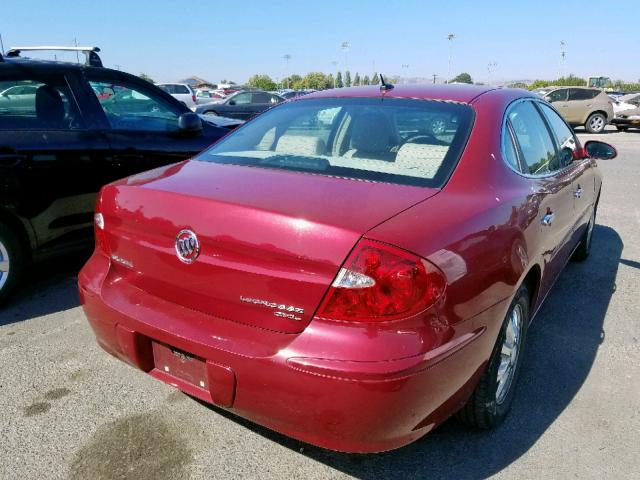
14,252
499,411
593,115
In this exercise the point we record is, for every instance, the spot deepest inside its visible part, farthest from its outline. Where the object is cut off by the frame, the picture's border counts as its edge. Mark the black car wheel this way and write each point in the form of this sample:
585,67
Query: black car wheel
596,123
622,128
492,398
582,252
11,261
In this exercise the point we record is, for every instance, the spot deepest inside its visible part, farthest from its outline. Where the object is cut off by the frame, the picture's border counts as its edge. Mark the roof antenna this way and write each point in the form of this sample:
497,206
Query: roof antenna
384,85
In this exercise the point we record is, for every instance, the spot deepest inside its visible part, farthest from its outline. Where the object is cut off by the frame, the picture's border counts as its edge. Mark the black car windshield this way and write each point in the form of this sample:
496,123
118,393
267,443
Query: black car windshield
411,142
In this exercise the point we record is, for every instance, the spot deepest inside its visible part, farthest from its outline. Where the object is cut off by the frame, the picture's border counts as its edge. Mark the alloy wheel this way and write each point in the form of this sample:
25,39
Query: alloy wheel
596,124
509,353
4,265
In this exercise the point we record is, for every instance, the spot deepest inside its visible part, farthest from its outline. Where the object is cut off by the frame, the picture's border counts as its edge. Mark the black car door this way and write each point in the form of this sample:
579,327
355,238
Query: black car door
50,157
239,106
261,101
141,124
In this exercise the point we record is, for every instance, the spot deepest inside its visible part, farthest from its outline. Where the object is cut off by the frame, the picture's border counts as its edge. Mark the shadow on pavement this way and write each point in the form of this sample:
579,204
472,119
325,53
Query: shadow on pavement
561,347
48,287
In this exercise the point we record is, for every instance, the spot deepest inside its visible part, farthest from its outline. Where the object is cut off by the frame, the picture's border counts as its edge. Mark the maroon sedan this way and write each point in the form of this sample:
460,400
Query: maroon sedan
343,272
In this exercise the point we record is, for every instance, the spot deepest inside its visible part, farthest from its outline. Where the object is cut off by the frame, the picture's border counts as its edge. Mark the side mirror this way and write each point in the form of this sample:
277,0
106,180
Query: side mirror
190,123
600,150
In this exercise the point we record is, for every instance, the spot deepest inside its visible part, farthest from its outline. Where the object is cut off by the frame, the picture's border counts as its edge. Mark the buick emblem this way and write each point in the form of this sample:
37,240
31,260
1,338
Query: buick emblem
187,246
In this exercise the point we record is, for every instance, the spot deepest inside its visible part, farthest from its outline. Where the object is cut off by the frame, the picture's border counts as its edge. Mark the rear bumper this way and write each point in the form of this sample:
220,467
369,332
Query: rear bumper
625,122
275,380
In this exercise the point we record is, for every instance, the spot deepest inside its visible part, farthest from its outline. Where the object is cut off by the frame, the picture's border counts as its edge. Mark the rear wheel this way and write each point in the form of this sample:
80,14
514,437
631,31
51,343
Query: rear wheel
11,261
492,398
582,252
622,128
596,123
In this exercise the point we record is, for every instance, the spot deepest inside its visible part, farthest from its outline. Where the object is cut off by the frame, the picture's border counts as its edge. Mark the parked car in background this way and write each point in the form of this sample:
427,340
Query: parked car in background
289,94
208,96
181,92
627,119
582,106
60,143
626,102
241,105
334,273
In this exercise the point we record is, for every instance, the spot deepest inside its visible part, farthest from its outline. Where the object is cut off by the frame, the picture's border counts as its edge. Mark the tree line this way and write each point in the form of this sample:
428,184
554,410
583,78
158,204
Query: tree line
313,80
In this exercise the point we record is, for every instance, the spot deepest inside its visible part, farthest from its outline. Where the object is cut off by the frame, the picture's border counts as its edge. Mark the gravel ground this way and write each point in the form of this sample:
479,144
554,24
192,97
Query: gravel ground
69,410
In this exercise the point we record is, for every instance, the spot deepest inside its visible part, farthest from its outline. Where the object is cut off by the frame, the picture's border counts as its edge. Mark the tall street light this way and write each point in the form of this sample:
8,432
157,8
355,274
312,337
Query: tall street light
335,64
345,46
451,37
405,68
490,69
287,57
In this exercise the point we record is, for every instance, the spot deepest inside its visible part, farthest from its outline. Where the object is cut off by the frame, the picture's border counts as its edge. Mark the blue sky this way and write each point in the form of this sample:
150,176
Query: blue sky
172,40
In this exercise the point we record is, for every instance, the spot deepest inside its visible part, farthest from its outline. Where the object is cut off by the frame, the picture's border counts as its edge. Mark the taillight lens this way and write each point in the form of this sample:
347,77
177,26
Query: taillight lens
379,283
101,241
193,97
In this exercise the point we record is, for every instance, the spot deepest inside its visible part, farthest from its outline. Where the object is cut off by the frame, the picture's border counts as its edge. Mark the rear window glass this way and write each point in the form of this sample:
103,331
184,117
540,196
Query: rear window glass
412,142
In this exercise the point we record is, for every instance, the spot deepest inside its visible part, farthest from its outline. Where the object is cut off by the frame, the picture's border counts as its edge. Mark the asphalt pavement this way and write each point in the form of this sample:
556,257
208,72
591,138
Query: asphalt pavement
70,411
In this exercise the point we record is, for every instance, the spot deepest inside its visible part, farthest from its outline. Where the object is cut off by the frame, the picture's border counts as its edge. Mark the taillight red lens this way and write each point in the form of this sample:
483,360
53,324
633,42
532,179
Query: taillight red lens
193,97
379,282
101,241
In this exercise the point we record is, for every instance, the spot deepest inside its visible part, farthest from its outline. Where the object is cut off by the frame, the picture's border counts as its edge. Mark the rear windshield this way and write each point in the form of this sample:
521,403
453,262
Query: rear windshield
412,142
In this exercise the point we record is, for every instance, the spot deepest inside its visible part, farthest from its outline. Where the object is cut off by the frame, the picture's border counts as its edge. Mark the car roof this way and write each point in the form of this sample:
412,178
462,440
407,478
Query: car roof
462,93
46,64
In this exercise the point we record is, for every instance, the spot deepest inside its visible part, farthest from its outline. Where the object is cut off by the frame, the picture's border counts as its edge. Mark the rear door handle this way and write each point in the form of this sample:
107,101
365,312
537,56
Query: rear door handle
547,220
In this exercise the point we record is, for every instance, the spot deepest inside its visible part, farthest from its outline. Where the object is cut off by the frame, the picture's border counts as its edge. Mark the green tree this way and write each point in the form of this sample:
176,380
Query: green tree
330,81
375,78
462,78
262,82
356,80
366,81
146,77
347,78
570,81
339,83
314,80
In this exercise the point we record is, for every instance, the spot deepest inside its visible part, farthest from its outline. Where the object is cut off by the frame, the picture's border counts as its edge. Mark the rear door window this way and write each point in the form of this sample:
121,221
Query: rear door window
33,102
536,146
582,94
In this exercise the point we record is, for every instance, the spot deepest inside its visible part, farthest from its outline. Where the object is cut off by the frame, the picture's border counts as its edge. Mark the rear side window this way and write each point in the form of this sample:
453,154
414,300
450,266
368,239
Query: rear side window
181,89
536,147
582,94
412,142
38,103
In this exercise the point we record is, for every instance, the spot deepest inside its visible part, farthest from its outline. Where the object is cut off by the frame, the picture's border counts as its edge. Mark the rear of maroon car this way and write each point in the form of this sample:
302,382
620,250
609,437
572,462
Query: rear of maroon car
247,278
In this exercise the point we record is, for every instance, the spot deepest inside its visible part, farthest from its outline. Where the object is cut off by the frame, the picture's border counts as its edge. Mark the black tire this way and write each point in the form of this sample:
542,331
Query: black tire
583,250
622,128
489,405
596,123
11,256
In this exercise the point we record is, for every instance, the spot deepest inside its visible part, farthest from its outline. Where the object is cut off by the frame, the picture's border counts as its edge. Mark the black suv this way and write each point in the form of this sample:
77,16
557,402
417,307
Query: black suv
67,129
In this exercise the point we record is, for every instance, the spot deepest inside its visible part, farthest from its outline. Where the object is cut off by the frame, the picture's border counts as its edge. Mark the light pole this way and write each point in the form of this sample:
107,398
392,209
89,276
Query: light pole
345,46
490,68
451,37
1,45
287,57
434,75
563,54
405,68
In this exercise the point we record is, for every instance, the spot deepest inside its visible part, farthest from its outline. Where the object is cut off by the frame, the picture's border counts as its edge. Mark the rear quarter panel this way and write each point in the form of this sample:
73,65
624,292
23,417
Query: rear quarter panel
480,230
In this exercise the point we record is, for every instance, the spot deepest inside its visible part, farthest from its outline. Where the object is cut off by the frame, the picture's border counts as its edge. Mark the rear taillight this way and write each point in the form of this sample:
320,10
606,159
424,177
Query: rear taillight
379,282
193,97
101,241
